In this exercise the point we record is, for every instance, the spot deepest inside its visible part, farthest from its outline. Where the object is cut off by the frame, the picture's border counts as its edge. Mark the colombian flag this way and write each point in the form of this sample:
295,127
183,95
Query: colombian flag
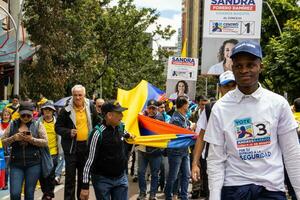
150,132
2,166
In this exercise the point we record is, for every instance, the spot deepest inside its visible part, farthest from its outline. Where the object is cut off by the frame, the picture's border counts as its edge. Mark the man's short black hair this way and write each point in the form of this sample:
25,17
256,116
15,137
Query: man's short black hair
15,96
181,101
201,98
297,105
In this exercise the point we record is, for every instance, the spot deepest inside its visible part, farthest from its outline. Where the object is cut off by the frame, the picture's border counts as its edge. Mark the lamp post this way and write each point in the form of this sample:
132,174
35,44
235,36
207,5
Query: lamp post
274,16
17,57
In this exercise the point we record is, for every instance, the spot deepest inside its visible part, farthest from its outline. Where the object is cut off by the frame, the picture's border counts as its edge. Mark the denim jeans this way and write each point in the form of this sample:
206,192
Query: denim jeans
17,175
110,188
60,165
154,161
179,160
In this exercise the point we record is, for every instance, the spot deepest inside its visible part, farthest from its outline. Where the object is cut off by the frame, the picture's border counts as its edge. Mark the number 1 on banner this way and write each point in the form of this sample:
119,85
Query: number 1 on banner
248,28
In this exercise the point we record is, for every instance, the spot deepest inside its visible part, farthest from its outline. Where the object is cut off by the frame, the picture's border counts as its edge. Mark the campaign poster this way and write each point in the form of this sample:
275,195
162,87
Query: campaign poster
182,71
216,54
225,23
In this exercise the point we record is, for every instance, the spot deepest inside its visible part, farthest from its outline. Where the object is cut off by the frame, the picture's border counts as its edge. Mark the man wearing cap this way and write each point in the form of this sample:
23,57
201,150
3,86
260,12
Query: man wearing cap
151,156
74,123
250,130
226,83
107,158
48,120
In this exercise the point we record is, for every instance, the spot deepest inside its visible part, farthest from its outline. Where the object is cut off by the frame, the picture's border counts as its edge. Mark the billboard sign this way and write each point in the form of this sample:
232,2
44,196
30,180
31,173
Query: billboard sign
182,69
227,21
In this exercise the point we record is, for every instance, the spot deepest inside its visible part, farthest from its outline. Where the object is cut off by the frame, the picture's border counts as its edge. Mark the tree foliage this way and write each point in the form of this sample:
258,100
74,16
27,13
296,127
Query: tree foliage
282,61
84,40
282,71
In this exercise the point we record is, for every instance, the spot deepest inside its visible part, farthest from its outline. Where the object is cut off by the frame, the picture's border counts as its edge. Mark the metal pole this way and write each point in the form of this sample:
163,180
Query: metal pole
205,86
17,58
274,16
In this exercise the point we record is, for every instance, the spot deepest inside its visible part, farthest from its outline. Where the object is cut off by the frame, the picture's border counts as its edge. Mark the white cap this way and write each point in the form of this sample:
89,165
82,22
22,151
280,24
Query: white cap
226,77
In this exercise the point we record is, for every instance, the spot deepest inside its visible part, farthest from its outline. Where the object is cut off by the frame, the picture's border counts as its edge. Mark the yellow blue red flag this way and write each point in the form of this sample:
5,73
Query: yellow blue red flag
147,131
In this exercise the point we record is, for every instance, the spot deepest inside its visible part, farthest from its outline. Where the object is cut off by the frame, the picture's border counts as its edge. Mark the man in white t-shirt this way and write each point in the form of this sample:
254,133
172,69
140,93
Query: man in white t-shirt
250,130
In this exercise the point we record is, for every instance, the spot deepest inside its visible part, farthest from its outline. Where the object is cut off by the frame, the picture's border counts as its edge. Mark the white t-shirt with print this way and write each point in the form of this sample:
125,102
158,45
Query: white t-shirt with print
248,127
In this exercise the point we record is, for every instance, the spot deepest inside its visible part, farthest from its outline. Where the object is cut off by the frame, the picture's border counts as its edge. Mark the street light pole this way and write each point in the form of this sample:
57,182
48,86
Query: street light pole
274,16
17,57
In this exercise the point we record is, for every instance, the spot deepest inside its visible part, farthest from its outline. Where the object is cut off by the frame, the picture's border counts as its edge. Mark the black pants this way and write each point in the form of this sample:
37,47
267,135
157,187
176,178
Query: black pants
75,161
48,183
250,192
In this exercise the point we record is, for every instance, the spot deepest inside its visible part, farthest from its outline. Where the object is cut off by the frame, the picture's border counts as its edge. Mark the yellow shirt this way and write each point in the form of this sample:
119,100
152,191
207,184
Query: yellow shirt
81,125
15,115
297,116
52,138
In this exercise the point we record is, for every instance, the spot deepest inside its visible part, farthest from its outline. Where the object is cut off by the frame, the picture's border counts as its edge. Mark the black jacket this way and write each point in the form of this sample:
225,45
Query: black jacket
107,153
66,121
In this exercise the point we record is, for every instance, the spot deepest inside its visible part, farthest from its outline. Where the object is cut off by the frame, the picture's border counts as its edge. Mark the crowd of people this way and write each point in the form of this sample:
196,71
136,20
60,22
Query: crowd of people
247,145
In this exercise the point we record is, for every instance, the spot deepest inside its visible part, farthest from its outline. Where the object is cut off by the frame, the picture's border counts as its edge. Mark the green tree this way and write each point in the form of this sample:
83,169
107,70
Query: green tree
281,70
44,20
282,63
127,47
84,40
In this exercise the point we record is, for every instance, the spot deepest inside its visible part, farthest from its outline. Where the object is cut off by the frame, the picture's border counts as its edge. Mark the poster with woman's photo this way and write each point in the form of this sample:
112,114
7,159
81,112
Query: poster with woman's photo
181,77
225,23
216,54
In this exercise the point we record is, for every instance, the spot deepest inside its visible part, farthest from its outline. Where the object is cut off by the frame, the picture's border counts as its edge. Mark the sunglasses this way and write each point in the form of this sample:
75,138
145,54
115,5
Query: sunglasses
100,106
26,116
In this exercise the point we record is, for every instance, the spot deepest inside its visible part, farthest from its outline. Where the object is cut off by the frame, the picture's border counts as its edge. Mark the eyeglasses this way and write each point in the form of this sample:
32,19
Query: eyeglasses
161,106
26,116
100,106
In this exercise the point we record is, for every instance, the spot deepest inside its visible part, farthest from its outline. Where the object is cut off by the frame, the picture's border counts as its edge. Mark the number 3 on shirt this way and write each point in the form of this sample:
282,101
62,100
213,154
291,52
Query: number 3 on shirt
262,129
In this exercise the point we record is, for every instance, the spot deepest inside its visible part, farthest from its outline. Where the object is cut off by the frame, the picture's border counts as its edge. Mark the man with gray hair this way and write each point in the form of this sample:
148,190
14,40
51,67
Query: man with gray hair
74,123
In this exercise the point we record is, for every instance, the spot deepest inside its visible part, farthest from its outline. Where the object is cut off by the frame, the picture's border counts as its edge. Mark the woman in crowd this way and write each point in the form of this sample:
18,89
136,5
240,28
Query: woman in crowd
4,122
48,120
25,137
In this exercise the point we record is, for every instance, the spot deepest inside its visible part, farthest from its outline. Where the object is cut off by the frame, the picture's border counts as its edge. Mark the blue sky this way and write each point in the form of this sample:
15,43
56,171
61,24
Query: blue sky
170,14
